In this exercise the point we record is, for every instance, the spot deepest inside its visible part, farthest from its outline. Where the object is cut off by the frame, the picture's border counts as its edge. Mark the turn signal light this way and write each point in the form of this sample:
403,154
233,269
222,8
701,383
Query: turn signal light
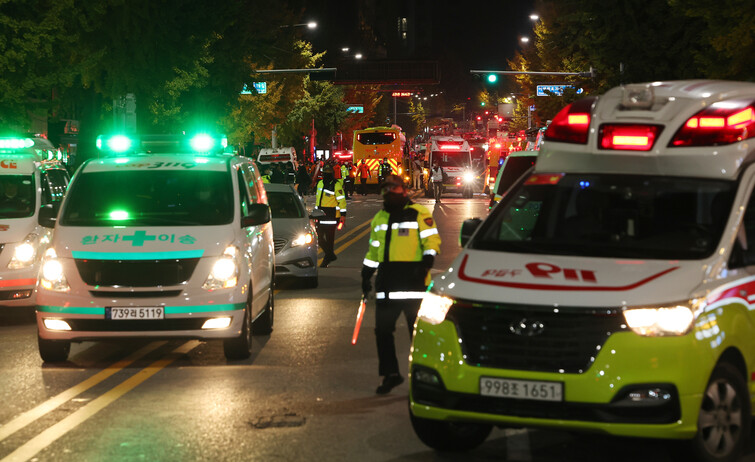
572,123
725,122
629,137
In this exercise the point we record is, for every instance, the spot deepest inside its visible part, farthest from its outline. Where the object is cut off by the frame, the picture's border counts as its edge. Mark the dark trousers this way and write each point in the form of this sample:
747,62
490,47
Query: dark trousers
326,237
437,189
386,315
348,187
364,186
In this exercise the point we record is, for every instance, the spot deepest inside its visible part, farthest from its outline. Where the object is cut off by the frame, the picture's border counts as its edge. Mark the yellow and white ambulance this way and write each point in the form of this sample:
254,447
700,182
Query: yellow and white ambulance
611,291
28,183
168,237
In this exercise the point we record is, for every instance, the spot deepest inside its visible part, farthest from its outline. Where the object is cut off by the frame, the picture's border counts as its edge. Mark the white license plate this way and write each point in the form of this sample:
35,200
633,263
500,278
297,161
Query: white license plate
522,389
135,312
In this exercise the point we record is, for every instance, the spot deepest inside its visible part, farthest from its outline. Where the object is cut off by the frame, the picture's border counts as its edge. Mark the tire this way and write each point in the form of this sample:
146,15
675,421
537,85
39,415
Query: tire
723,425
53,351
264,323
450,436
241,346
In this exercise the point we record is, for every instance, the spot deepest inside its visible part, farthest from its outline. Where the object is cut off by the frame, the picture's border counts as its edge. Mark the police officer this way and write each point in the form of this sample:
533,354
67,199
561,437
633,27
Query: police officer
330,199
346,179
403,244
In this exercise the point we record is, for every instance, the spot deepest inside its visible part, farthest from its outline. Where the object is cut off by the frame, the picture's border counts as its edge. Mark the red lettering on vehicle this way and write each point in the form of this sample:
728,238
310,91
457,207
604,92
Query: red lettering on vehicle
8,164
544,270
500,273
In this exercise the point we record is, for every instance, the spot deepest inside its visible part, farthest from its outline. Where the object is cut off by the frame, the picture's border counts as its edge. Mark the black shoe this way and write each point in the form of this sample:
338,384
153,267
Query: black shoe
389,383
325,263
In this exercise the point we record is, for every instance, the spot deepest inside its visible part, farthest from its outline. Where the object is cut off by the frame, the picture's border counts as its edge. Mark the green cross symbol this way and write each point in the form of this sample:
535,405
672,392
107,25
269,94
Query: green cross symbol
138,238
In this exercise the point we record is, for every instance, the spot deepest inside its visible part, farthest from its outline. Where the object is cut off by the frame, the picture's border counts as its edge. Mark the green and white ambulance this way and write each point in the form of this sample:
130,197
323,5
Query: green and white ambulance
613,290
167,237
29,182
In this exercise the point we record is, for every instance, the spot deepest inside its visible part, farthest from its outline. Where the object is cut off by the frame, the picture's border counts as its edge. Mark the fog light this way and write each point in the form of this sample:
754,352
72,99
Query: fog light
303,263
649,394
426,376
56,324
217,323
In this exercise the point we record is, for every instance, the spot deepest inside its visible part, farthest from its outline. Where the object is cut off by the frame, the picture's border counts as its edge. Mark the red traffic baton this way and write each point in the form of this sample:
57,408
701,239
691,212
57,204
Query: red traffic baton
360,316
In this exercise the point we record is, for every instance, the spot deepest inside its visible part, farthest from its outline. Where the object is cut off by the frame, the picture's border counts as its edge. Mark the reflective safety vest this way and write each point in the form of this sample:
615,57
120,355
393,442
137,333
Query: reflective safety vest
397,244
331,200
344,171
266,178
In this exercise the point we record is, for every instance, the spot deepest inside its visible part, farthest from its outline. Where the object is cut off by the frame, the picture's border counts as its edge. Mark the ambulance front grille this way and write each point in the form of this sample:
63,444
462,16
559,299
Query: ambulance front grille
136,273
533,338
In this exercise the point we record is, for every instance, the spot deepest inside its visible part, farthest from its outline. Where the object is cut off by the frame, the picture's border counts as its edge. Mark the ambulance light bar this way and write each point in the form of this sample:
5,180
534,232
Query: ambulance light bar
449,147
16,143
724,122
198,144
572,123
629,137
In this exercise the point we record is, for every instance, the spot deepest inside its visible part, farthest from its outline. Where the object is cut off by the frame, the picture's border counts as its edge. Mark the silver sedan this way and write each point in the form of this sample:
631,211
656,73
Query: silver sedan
294,235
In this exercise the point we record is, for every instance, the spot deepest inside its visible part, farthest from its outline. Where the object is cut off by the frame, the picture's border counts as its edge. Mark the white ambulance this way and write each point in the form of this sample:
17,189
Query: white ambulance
168,238
28,182
611,291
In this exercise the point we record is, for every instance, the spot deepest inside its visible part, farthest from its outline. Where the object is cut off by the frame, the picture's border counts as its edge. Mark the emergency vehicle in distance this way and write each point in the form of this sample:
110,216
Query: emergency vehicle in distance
453,154
166,237
30,180
611,290
378,143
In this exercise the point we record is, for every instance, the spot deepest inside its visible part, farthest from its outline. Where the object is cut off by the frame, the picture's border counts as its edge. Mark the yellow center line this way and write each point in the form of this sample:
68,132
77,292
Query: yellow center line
49,436
51,404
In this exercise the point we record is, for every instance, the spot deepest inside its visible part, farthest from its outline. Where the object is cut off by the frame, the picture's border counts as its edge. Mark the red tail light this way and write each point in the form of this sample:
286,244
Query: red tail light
572,123
724,122
629,137
450,147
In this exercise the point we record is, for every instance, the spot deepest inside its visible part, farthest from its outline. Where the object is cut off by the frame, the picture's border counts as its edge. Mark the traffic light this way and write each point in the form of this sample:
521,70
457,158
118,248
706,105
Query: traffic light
492,78
482,103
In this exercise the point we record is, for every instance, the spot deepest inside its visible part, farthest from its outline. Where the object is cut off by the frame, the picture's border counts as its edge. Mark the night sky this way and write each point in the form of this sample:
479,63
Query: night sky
461,35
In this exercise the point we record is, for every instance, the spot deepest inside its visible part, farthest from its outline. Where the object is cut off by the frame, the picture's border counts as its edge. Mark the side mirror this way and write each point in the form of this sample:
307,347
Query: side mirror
317,214
48,215
259,214
468,227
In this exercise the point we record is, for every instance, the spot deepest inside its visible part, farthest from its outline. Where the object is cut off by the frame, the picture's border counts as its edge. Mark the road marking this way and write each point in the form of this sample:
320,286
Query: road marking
53,403
52,434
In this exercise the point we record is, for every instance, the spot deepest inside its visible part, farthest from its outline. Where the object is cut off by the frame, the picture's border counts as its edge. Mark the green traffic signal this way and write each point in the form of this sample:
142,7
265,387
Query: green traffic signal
482,103
492,78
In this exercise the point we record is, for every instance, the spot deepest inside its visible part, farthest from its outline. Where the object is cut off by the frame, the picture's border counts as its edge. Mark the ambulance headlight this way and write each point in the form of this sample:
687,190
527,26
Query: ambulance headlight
434,308
224,273
468,177
302,239
24,253
51,275
661,321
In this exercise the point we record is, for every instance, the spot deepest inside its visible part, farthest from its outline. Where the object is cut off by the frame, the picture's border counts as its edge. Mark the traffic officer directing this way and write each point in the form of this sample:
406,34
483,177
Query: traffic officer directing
403,244
330,199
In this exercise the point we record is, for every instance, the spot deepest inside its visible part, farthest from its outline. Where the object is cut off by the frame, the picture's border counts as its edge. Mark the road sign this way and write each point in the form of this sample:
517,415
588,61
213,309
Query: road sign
355,109
259,87
555,89
401,94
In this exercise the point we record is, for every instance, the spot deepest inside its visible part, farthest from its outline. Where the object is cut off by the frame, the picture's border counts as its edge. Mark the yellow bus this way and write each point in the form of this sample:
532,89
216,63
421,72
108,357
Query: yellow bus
377,143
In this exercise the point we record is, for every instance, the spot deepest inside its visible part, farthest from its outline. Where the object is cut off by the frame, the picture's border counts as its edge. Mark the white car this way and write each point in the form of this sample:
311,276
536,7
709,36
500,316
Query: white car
168,237
28,183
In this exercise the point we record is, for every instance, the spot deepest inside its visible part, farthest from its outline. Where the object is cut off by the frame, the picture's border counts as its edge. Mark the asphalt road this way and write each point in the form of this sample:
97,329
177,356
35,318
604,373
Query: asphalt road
305,394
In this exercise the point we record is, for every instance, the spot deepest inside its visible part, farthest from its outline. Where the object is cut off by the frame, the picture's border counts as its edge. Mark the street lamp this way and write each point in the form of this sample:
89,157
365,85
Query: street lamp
345,49
358,56
524,39
534,17
309,25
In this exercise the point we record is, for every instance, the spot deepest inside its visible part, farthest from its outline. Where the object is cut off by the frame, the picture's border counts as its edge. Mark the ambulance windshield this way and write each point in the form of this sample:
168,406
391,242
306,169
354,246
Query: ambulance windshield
459,159
156,198
616,216
16,196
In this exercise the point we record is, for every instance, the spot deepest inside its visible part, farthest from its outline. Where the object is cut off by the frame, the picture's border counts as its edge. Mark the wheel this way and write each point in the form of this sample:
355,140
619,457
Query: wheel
723,425
310,282
264,322
241,346
53,351
450,436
